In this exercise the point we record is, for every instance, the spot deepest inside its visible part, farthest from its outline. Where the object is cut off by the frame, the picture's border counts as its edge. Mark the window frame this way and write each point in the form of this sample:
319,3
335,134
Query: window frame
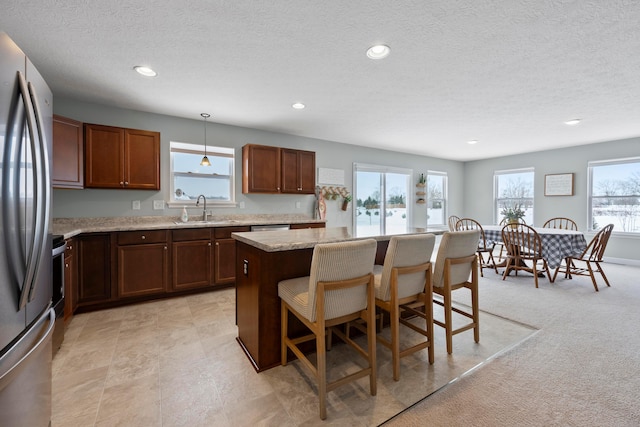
212,151
590,197
496,198
445,197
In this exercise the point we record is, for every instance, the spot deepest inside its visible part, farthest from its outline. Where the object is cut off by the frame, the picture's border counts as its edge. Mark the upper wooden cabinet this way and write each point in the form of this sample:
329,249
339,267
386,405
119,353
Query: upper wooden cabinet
121,158
267,169
68,148
298,171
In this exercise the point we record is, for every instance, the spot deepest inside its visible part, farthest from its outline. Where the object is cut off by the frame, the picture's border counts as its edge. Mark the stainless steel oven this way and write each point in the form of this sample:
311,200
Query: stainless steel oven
57,297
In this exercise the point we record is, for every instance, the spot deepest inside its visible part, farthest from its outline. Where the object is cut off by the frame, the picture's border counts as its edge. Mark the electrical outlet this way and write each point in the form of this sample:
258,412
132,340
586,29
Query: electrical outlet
158,204
297,205
241,205
135,205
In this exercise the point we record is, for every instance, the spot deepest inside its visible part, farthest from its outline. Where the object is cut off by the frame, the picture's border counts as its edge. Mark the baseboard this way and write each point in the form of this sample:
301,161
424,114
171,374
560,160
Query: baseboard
623,261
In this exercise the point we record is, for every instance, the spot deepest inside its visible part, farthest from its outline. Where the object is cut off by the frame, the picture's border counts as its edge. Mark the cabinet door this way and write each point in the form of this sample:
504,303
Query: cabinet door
191,264
224,253
94,268
141,159
142,269
260,169
298,171
68,153
290,173
104,156
225,261
308,225
307,171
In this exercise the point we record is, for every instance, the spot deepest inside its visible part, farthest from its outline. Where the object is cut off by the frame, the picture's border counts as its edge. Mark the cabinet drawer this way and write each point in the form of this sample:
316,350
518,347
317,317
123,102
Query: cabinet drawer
225,232
191,234
140,237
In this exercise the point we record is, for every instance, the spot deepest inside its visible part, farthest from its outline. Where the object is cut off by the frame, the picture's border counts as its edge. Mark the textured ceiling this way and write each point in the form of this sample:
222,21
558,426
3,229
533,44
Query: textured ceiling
507,73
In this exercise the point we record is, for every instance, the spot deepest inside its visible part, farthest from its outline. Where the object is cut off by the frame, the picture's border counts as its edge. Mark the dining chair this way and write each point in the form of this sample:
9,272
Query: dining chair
501,257
485,247
561,223
402,285
339,289
588,262
523,243
453,220
455,262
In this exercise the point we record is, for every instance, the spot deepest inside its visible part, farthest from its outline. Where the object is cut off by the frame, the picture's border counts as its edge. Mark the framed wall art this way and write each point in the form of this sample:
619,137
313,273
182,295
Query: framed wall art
558,184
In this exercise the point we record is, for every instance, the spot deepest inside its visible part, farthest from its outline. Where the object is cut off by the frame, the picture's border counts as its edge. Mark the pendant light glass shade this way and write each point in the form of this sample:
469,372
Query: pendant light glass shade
205,160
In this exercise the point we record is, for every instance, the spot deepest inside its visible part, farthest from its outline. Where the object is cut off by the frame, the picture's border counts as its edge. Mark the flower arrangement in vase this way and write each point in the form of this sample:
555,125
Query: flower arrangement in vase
512,215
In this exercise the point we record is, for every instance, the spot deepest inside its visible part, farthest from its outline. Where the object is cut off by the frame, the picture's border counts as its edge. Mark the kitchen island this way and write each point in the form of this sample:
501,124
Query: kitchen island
265,258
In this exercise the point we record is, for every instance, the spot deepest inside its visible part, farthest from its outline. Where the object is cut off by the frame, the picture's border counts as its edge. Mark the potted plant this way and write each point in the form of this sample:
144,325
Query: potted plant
512,214
422,181
345,201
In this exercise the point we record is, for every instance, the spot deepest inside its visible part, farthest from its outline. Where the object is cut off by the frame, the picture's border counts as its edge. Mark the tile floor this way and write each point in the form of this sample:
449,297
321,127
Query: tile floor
176,363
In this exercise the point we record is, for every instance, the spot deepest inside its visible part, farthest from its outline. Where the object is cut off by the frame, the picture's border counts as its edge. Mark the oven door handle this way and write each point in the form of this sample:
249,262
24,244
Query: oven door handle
59,250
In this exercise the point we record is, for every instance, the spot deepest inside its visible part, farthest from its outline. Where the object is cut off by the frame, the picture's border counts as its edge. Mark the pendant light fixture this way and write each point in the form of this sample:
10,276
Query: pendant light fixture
205,160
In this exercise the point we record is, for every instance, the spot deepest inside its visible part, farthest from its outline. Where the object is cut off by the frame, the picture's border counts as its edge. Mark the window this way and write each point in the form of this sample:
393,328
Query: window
189,179
514,189
436,198
381,197
614,195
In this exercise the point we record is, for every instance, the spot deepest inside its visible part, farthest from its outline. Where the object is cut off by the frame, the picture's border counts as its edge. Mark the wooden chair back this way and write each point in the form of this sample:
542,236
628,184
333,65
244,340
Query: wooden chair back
523,239
561,224
472,224
596,247
453,220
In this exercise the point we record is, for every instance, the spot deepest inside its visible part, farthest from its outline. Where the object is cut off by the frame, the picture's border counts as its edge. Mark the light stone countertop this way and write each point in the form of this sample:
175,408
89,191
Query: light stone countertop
286,240
69,227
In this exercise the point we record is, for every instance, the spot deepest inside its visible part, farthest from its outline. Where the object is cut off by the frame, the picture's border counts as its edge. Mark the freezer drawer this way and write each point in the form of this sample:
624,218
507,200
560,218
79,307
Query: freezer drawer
25,377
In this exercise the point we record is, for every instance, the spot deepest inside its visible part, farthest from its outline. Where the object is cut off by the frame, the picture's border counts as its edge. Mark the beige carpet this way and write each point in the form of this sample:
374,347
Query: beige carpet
581,369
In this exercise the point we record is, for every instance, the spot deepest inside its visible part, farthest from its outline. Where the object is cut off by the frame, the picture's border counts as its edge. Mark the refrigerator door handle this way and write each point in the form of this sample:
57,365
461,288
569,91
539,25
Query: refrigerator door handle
36,243
43,193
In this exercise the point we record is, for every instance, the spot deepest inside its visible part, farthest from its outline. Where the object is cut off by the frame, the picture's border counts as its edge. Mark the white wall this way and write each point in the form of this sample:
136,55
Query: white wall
102,203
478,185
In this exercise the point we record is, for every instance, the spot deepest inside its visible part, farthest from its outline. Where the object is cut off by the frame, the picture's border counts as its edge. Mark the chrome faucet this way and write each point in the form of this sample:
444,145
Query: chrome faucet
204,210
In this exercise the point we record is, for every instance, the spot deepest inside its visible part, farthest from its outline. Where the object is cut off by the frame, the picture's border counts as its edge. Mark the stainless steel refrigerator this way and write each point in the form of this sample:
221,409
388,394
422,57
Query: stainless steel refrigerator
26,317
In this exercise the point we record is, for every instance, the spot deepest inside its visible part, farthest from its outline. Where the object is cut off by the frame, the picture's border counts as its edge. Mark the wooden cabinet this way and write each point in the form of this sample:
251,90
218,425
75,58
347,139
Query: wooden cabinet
94,268
70,280
121,158
191,258
260,169
142,263
68,157
267,169
225,254
298,171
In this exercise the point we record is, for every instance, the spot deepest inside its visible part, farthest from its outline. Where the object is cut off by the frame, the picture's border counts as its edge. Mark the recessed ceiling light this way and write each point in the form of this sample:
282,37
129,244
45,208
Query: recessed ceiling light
298,105
473,141
145,71
378,51
572,122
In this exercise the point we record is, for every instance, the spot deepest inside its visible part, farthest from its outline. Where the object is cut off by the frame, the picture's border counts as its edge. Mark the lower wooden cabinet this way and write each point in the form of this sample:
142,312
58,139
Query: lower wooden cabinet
106,269
142,263
94,268
225,254
191,259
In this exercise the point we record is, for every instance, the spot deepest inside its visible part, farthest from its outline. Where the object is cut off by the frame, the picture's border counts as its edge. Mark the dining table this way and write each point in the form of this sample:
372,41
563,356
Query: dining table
557,244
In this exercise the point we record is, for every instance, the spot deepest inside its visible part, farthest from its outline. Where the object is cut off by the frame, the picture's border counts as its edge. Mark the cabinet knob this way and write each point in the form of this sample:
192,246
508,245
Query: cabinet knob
209,244
66,265
143,237
217,244
165,248
126,183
